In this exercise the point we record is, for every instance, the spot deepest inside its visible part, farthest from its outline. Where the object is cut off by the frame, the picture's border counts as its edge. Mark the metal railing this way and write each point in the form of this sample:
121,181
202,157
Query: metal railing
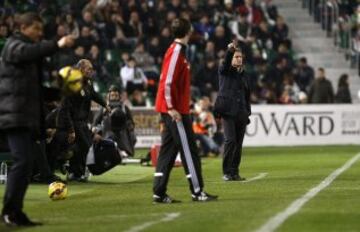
327,14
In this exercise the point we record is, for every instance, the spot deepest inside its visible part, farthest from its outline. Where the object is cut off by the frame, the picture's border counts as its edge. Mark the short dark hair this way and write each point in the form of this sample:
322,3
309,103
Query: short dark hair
180,27
238,49
27,19
114,88
303,60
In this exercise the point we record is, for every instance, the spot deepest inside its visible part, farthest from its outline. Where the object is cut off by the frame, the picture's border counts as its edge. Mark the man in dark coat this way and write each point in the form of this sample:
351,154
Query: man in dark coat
304,74
233,105
21,99
321,90
73,118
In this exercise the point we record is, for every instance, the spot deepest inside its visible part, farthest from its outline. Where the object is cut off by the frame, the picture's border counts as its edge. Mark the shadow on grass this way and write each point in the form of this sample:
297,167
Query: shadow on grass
4,228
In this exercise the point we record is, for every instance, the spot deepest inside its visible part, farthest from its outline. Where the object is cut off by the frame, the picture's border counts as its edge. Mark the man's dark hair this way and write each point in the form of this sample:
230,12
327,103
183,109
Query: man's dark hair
238,49
113,88
303,60
321,69
180,27
27,19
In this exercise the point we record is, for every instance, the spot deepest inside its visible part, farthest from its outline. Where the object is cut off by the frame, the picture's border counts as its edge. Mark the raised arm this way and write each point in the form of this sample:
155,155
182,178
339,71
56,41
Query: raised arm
226,64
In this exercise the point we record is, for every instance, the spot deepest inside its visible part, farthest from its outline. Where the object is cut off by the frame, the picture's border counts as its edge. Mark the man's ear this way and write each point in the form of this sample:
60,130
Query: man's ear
22,27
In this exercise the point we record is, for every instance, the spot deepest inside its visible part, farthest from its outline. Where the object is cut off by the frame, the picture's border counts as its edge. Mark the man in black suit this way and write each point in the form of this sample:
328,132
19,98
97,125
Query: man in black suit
233,105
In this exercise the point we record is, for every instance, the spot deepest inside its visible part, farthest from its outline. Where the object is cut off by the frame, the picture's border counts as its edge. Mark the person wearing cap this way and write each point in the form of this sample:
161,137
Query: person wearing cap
233,105
21,113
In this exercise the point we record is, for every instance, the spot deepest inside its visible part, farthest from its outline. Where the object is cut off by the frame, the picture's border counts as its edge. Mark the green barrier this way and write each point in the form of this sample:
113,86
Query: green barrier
5,156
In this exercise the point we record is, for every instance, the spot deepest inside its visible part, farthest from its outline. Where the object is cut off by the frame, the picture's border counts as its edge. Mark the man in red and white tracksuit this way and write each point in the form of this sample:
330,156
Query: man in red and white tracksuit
172,101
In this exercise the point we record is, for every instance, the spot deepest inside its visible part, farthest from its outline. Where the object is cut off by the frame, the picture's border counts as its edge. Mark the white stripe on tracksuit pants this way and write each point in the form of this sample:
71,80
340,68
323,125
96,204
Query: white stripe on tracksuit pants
187,154
177,136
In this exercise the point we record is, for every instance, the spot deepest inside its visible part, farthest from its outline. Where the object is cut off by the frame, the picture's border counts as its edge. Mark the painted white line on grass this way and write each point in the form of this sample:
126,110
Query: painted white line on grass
258,177
167,218
273,223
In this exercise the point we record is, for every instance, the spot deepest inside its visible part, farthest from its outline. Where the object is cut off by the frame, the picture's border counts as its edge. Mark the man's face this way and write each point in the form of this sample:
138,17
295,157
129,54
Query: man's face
114,96
320,74
87,70
237,60
33,31
3,31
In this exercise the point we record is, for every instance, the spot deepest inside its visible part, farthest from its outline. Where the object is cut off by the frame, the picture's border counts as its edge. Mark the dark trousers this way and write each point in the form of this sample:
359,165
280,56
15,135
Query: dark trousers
41,159
234,131
178,136
21,147
81,148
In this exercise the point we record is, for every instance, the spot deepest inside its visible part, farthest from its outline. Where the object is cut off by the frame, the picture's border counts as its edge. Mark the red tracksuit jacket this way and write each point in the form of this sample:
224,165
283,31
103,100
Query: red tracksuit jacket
174,86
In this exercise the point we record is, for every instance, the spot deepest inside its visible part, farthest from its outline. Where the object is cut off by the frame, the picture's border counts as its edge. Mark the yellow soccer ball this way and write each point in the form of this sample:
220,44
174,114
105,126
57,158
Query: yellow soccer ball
57,191
71,79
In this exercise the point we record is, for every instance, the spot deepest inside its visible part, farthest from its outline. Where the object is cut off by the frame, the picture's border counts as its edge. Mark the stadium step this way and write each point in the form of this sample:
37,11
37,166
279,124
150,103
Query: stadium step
310,40
314,33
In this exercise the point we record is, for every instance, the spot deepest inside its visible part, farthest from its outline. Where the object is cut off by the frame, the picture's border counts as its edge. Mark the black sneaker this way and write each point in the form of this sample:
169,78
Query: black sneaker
203,197
164,200
18,219
227,177
46,180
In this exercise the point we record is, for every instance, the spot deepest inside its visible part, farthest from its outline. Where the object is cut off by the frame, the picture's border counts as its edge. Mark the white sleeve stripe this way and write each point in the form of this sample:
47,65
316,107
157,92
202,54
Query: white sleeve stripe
170,74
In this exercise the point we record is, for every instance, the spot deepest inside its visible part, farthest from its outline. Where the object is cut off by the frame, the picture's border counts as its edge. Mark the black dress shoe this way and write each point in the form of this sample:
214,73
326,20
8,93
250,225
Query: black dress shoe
237,178
228,177
18,219
46,180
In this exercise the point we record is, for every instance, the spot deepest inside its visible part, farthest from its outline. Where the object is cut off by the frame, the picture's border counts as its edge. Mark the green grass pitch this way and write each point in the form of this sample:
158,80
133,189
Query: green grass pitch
121,200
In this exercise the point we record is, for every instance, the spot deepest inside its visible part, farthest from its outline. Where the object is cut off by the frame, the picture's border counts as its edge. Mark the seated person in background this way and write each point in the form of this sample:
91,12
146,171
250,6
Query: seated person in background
204,126
138,98
132,77
43,171
118,125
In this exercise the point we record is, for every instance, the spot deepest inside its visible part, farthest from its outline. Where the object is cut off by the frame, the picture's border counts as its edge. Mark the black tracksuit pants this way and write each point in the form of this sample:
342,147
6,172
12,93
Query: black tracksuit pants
21,146
82,144
178,136
234,131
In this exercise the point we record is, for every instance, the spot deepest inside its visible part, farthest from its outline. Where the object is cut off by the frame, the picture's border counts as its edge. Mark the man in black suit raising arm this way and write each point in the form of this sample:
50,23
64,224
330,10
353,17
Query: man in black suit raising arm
233,105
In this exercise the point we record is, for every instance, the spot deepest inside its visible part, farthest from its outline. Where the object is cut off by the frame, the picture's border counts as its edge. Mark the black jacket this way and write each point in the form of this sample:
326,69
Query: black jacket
321,92
118,126
76,108
343,95
21,93
234,92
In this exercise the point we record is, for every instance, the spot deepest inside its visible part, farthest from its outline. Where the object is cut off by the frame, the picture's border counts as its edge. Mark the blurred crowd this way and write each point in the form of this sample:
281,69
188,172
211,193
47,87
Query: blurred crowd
126,40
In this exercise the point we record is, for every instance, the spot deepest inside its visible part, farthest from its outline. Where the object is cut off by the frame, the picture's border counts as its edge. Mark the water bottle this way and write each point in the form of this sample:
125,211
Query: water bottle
3,173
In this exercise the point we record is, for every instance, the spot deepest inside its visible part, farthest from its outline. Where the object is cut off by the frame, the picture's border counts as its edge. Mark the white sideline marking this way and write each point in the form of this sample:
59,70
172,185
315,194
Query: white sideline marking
167,218
273,223
258,177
